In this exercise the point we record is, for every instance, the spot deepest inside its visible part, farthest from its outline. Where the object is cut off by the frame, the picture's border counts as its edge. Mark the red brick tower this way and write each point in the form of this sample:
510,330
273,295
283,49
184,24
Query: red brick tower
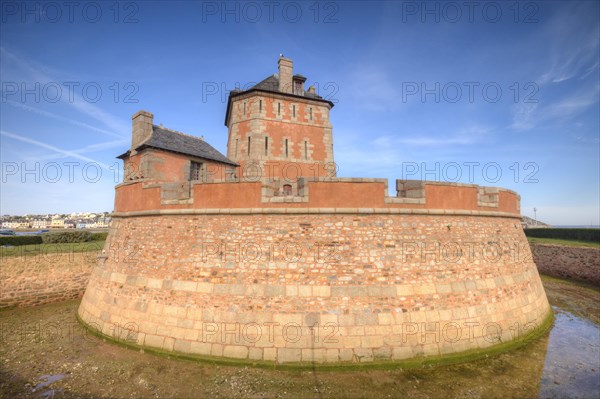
279,130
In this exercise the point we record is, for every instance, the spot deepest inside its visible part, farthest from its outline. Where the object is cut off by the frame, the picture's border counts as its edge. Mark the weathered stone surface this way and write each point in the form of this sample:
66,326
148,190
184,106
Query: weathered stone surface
371,302
45,278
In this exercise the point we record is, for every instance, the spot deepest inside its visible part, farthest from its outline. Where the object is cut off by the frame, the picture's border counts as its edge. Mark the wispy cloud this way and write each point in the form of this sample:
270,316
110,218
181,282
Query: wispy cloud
62,118
51,147
37,75
528,116
84,150
574,45
465,136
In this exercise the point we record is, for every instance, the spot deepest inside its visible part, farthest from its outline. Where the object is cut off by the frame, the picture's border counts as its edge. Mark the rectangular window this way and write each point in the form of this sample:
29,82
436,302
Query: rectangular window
244,108
294,111
286,148
305,150
195,168
260,105
248,145
278,108
310,112
266,145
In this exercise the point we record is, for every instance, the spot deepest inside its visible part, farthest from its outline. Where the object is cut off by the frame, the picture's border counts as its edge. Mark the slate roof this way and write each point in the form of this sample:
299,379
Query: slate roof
271,84
171,140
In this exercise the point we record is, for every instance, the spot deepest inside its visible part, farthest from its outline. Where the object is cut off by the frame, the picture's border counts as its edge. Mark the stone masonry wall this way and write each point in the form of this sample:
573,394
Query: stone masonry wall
315,287
45,278
573,263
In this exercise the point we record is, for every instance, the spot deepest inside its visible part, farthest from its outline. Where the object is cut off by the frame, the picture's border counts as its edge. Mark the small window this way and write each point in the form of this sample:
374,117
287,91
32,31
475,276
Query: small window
305,150
195,168
248,145
278,108
287,189
244,108
260,105
266,145
310,113
294,111
286,148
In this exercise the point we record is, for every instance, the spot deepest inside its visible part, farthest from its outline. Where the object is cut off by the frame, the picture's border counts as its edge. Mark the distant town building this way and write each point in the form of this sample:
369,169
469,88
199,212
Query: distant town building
40,224
57,223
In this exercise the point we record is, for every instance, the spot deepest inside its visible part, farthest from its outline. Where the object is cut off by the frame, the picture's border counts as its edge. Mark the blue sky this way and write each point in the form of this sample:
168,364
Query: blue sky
494,93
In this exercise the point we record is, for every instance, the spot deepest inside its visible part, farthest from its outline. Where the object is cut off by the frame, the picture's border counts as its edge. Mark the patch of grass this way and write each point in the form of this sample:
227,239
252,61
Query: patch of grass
44,249
569,243
576,284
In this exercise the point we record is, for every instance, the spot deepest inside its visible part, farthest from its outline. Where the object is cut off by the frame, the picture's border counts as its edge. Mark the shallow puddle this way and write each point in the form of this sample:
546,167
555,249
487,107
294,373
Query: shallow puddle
46,381
572,364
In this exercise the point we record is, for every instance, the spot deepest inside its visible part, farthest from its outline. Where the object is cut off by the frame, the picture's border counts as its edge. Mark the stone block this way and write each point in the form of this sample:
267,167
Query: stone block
289,355
255,353
270,354
363,355
201,348
235,351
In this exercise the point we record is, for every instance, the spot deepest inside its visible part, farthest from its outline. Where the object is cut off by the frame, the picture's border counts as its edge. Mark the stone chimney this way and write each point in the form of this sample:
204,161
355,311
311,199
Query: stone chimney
141,128
285,74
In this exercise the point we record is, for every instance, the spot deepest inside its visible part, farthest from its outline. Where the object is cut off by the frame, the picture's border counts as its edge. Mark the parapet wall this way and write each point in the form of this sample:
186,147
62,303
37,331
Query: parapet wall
310,193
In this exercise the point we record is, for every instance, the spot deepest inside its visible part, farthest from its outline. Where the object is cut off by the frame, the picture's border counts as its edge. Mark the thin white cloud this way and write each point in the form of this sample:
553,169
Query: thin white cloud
465,136
528,116
87,149
62,118
67,153
76,101
573,45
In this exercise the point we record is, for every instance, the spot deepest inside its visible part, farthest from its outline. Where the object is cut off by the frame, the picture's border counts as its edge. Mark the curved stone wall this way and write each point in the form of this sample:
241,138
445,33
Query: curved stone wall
315,285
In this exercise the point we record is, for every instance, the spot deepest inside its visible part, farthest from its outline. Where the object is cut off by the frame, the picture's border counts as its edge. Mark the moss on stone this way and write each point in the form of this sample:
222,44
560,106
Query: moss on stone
466,356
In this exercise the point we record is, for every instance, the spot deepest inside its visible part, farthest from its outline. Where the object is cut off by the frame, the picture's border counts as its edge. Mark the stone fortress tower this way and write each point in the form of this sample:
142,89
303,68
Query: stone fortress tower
266,255
277,129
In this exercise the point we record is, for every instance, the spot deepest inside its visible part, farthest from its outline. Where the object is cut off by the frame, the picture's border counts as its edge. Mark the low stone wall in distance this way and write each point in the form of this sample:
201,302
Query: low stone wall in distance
572,263
39,279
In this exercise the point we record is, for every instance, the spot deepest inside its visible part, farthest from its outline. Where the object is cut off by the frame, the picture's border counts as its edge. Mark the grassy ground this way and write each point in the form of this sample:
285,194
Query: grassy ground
556,241
43,249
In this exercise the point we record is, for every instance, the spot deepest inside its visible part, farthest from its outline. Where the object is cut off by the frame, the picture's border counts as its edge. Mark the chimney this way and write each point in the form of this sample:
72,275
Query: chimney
285,74
311,90
141,128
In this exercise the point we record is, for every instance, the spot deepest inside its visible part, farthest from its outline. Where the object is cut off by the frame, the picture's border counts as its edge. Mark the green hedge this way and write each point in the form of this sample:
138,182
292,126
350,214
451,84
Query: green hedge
67,237
99,236
592,235
20,240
